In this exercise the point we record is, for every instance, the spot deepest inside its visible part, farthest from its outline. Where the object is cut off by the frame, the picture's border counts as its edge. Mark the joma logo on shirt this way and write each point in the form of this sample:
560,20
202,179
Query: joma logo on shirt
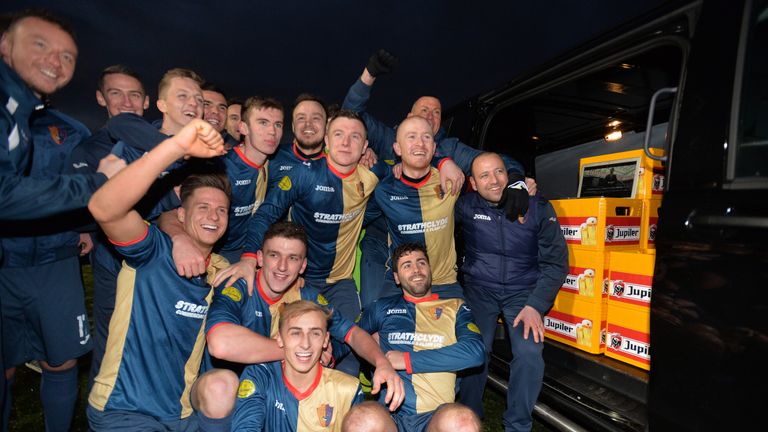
191,310
242,182
322,188
396,311
482,217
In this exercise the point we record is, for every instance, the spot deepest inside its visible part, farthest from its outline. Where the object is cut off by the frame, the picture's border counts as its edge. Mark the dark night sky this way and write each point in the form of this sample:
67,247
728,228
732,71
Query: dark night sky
451,49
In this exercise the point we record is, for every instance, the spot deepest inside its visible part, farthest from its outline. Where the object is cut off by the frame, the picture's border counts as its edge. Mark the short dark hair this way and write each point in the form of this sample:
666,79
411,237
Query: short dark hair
256,103
235,100
405,249
45,15
119,69
304,97
288,230
348,114
211,87
197,181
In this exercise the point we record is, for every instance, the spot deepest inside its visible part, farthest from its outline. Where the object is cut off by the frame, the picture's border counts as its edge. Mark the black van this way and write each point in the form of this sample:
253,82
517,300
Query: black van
692,78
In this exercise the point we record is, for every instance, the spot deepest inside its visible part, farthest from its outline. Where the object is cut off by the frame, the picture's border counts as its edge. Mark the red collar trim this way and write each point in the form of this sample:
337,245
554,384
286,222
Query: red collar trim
245,158
337,173
294,391
263,294
408,298
419,184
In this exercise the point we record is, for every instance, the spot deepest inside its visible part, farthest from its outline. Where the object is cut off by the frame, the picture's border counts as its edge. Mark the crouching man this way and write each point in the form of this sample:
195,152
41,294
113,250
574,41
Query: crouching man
297,393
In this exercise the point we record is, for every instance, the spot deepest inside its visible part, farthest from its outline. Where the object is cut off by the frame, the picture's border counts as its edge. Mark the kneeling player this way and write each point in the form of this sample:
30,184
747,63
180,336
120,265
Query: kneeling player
297,393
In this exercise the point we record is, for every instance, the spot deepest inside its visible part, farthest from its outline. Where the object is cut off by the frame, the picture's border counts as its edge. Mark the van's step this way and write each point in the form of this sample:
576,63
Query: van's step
594,391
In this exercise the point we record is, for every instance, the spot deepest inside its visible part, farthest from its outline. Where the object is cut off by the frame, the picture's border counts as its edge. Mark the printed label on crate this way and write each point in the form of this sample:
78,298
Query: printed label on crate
569,327
629,343
580,281
657,187
579,230
622,231
652,225
561,324
630,288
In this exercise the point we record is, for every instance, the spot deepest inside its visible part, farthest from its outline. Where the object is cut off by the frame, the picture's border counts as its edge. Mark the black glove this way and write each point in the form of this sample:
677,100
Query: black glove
381,63
514,199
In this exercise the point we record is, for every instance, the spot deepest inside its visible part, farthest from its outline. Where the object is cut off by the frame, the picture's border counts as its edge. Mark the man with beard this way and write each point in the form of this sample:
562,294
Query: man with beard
426,337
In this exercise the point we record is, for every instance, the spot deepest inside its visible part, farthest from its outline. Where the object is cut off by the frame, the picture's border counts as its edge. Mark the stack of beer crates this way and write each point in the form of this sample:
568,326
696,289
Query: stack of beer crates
604,304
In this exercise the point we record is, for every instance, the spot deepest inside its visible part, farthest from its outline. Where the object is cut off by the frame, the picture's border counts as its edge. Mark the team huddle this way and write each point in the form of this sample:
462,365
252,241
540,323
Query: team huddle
223,261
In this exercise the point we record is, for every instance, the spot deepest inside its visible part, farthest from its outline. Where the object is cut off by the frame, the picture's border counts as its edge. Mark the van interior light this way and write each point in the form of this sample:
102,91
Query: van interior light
613,136
614,123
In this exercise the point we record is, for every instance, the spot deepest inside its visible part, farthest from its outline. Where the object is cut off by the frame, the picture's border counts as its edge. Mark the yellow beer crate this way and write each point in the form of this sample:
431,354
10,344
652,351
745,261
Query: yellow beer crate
600,223
631,279
649,224
628,174
587,275
628,335
578,323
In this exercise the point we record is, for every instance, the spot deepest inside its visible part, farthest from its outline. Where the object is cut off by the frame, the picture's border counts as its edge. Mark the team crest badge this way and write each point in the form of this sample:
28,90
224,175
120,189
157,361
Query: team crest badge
321,300
439,192
436,312
233,293
246,388
325,415
473,328
57,135
361,189
285,183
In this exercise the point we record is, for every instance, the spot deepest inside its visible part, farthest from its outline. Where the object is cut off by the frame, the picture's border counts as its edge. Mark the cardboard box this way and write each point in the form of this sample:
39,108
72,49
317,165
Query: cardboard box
578,323
600,223
628,174
628,335
587,276
630,279
649,224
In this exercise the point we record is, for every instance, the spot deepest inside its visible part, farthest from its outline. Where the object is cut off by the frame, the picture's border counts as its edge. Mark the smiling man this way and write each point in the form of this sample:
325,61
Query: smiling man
427,337
39,54
417,209
298,393
156,337
240,327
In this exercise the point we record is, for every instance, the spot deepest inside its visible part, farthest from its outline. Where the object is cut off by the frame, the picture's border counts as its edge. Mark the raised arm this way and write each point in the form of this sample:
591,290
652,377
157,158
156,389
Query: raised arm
112,205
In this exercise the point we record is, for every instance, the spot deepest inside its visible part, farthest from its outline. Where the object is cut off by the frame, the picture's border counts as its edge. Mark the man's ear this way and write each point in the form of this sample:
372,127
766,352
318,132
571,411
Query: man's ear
472,182
146,102
327,339
396,148
242,128
397,279
100,99
279,340
260,258
181,214
161,106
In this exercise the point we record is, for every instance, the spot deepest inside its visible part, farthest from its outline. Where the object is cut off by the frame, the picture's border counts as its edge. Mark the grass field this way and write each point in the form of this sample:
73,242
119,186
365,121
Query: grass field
26,415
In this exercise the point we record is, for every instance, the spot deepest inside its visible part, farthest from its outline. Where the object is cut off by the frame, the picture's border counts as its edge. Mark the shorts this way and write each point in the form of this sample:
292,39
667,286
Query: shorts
128,421
43,313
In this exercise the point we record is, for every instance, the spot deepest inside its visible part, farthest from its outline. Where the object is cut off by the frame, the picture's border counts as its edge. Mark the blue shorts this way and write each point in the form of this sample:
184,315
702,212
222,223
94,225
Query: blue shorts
412,423
128,421
43,313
